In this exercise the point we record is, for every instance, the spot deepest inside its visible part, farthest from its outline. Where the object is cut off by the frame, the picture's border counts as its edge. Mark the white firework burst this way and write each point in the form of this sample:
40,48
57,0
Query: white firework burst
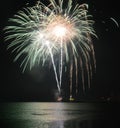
42,31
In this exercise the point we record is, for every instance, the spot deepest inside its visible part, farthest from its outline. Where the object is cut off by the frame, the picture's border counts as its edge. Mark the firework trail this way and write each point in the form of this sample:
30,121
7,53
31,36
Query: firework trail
61,64
71,76
59,28
115,21
58,85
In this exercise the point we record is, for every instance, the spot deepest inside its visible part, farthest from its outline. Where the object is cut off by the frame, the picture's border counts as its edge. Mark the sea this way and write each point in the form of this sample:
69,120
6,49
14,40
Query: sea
59,115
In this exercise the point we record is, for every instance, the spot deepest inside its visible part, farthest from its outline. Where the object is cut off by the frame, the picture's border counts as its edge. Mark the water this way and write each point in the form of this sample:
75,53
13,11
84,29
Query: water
58,115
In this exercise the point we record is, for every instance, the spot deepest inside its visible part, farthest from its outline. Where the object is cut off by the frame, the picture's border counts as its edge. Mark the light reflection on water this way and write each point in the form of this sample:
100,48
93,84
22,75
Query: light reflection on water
51,115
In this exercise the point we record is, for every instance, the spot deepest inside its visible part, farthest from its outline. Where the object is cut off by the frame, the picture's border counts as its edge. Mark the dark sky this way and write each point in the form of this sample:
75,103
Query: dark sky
39,84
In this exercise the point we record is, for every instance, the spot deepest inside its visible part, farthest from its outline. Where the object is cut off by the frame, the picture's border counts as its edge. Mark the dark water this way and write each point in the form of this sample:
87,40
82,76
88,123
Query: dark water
59,115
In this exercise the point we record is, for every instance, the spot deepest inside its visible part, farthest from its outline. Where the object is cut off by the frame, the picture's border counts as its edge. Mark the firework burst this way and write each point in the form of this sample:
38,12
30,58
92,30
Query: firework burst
43,31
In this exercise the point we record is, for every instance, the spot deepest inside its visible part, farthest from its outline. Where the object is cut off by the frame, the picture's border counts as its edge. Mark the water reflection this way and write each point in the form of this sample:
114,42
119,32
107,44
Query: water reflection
55,115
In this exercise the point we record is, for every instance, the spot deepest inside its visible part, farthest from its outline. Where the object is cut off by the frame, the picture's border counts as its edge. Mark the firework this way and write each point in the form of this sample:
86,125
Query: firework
59,28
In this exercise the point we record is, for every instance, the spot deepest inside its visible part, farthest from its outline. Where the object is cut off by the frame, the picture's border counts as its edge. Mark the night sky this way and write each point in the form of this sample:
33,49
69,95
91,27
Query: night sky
39,84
